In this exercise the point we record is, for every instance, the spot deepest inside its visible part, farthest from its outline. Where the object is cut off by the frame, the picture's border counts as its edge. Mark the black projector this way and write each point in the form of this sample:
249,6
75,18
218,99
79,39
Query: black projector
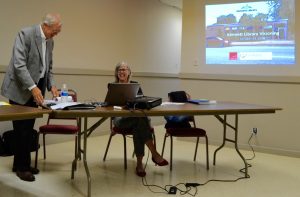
144,102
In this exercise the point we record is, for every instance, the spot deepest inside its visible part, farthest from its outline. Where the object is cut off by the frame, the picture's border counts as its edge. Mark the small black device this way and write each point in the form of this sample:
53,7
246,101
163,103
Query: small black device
144,102
172,190
192,184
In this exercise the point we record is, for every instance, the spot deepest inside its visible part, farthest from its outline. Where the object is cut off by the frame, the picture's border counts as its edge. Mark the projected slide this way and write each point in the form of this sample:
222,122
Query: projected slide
251,33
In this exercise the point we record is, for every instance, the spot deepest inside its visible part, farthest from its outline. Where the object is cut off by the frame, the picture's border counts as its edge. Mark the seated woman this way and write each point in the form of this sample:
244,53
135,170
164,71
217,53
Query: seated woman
140,125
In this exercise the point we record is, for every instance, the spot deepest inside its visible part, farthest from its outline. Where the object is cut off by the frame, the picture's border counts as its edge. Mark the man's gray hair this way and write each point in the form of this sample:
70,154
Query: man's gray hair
51,19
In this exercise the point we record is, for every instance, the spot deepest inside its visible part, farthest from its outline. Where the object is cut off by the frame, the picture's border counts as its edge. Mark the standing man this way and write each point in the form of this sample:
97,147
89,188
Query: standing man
28,75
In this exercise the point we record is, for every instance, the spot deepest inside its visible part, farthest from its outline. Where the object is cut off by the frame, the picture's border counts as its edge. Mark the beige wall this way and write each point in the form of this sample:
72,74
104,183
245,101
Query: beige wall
97,34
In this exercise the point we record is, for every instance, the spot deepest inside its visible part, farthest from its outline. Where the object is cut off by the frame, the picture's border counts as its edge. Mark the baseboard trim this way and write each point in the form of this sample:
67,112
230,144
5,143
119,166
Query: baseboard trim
261,149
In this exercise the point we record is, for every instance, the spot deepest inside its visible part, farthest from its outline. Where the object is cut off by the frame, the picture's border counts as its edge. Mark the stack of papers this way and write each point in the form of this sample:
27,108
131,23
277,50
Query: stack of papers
64,105
67,105
194,101
4,103
171,103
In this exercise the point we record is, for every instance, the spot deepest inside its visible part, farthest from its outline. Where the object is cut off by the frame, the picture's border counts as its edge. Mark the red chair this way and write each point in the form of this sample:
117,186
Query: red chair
72,128
125,133
180,96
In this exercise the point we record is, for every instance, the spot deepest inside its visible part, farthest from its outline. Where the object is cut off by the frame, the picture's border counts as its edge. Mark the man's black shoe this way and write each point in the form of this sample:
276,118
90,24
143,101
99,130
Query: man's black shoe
25,176
31,169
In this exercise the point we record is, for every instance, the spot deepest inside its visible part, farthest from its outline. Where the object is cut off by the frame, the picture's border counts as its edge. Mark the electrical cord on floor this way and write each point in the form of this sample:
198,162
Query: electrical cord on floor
183,188
251,147
249,159
149,186
241,170
172,189
168,189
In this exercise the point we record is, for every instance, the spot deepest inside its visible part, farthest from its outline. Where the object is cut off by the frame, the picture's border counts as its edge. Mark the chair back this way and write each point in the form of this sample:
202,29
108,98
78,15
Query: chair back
181,130
192,120
123,131
181,97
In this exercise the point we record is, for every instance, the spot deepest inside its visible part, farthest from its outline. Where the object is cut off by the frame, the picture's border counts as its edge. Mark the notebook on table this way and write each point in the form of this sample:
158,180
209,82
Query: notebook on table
202,101
119,93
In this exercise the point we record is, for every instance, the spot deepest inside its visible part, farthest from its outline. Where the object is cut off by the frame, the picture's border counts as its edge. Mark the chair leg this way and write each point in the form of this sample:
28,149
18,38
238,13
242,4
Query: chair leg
163,147
79,150
79,139
197,143
37,151
107,147
125,152
74,163
171,152
133,152
44,145
207,155
76,156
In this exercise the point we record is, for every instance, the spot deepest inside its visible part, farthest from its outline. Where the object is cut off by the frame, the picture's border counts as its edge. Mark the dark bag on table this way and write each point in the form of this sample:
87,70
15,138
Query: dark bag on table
178,96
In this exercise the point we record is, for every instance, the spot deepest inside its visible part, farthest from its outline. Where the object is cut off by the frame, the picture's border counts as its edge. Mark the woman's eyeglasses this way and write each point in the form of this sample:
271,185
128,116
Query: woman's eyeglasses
122,70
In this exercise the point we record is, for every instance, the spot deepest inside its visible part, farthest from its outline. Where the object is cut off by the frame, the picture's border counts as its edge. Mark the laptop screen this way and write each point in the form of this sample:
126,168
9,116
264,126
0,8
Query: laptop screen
120,93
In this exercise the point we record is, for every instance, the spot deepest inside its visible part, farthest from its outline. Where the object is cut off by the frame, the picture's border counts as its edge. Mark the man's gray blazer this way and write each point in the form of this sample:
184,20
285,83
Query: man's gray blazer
26,65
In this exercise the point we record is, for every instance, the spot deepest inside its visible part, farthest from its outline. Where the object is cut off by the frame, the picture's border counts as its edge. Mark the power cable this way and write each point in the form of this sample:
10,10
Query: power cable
188,187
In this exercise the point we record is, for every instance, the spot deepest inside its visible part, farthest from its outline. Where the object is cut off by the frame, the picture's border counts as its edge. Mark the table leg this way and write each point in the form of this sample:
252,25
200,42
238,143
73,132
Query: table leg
86,132
235,141
78,150
84,156
223,120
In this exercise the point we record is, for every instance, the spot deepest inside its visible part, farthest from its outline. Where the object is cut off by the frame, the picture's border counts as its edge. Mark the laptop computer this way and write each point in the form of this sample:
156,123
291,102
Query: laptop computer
119,93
